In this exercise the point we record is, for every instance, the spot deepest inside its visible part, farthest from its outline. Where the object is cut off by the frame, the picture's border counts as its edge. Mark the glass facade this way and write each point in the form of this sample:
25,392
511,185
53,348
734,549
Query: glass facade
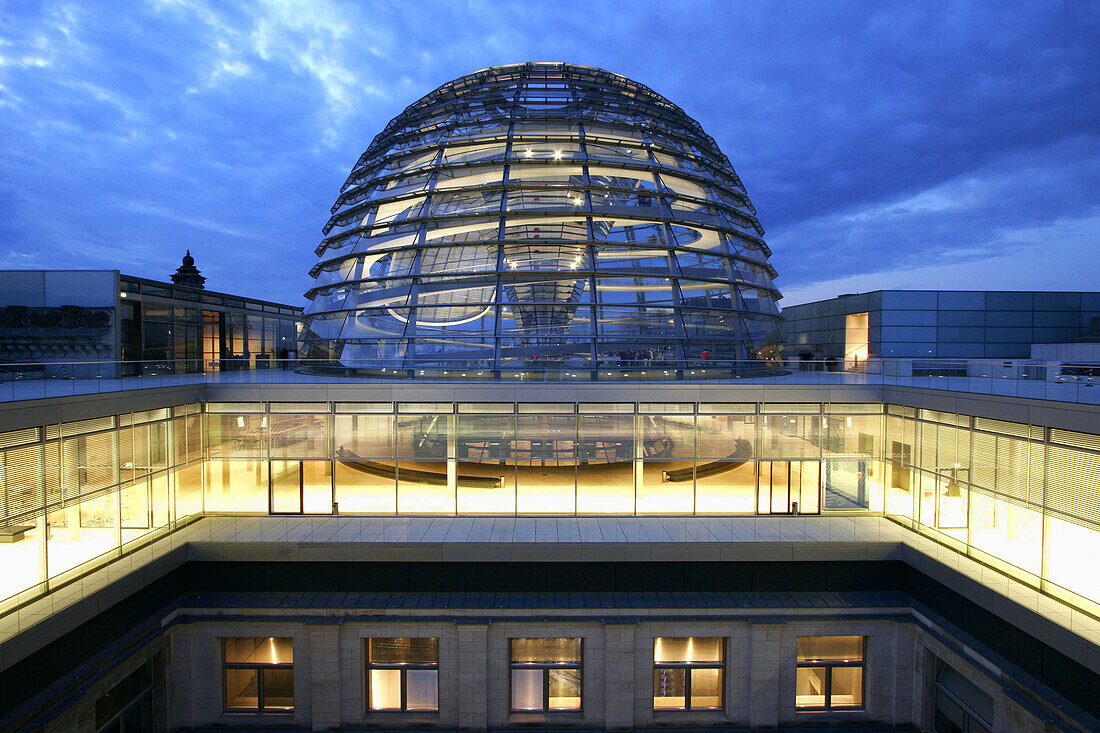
930,324
167,329
541,216
1020,498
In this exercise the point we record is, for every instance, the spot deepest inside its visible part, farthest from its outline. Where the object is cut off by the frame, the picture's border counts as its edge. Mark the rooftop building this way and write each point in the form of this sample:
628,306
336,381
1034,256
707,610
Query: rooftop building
944,324
103,324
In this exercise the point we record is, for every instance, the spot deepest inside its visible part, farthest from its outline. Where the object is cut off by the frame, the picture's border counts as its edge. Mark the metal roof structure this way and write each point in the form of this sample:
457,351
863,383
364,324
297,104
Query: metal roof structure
541,216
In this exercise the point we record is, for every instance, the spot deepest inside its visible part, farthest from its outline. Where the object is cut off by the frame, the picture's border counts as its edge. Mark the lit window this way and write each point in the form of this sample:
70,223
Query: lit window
259,674
687,673
830,672
546,674
403,674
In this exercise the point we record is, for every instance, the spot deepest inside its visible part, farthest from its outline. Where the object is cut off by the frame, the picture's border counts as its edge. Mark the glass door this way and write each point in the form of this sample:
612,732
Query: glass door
299,487
789,487
286,487
780,487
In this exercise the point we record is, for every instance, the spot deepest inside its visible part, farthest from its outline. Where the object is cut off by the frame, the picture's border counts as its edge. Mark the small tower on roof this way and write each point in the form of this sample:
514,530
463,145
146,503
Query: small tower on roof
187,275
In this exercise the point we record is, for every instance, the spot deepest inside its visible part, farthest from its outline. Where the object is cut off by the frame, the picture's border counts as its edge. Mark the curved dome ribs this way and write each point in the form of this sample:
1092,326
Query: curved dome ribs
541,216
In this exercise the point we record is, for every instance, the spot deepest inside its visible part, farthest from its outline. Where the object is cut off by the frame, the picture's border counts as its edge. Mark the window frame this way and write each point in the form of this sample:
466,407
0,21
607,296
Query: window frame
403,668
720,665
545,668
829,666
258,668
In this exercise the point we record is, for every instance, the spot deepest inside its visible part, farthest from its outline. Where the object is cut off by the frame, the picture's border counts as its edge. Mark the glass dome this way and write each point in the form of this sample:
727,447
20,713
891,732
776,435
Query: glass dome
541,217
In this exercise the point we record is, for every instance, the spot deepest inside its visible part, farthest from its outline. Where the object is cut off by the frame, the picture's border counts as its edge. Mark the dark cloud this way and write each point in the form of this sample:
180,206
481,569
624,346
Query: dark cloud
874,138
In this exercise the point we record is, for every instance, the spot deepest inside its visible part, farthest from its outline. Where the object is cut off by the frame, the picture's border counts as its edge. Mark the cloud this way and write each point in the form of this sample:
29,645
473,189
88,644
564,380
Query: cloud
875,139
139,207
1060,251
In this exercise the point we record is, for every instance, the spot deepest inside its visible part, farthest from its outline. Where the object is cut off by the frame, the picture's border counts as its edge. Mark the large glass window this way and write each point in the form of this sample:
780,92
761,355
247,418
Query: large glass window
830,672
258,674
1071,555
546,674
80,532
687,673
403,674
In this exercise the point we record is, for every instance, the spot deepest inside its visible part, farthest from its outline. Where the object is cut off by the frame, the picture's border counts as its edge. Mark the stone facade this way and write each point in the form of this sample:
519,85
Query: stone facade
617,672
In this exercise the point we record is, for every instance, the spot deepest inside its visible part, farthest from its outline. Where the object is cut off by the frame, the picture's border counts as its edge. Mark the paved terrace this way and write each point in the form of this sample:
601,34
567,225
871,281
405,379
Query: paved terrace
548,539
1072,390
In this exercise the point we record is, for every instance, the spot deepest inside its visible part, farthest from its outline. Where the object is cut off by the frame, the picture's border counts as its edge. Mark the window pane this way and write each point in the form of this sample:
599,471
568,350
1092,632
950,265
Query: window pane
687,649
527,689
949,714
847,687
140,716
565,689
966,691
241,689
810,687
669,689
278,689
404,651
422,691
546,650
1070,548
830,648
262,650
385,689
706,688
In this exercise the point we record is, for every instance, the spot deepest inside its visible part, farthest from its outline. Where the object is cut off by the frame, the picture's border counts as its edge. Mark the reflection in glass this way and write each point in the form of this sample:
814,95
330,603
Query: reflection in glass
565,689
527,689
670,689
385,689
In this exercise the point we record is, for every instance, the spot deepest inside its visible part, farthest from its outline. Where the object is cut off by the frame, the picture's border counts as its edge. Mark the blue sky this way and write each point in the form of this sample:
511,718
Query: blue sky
886,145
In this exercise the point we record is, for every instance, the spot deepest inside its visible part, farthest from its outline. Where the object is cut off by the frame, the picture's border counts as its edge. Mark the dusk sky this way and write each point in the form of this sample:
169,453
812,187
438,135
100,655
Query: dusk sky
929,145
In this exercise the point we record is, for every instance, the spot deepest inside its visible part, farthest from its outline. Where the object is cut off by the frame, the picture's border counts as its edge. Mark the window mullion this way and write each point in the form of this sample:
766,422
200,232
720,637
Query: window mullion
259,688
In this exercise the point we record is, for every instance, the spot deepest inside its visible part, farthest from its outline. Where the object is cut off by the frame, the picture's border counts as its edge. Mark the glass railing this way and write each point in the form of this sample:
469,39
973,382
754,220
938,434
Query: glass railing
1062,381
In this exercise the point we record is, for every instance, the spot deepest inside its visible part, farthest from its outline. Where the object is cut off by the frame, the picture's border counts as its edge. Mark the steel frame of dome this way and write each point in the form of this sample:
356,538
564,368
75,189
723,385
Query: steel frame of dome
540,217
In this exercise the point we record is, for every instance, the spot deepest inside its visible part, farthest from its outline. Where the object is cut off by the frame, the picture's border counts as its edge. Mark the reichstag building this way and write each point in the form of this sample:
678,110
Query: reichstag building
541,462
